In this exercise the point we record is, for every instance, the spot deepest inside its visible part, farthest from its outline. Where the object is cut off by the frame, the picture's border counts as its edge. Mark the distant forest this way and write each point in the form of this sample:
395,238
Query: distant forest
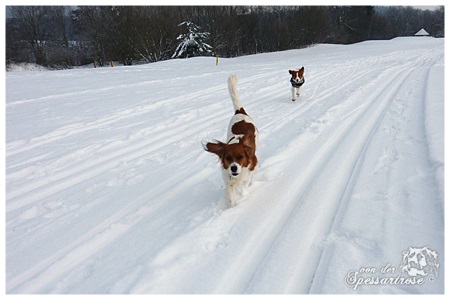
64,37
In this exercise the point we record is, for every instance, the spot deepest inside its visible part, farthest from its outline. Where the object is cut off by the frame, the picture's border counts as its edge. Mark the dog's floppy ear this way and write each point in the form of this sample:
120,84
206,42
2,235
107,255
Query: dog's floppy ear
248,140
290,72
216,148
249,147
301,72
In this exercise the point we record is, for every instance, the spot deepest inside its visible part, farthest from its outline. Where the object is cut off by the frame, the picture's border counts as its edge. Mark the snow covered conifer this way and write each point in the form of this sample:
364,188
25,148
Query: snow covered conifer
191,42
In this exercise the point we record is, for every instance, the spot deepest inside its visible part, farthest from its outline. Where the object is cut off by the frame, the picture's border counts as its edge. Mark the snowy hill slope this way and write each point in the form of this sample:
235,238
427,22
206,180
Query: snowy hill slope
108,189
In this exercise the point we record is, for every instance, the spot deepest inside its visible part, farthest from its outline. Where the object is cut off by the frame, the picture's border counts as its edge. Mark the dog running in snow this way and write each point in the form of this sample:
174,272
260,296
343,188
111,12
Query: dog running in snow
297,80
238,154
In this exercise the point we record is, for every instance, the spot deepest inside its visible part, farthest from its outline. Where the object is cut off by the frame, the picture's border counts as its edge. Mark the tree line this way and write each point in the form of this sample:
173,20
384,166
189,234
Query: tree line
63,37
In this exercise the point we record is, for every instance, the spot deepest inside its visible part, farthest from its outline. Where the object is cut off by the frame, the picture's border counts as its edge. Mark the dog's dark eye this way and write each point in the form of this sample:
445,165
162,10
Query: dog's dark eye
229,158
239,157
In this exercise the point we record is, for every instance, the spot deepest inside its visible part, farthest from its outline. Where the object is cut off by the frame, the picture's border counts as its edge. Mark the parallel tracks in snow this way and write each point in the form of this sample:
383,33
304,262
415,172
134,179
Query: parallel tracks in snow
315,198
292,224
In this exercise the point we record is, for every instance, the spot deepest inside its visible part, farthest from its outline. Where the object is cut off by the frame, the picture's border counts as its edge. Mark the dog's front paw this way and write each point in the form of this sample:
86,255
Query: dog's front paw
231,204
231,197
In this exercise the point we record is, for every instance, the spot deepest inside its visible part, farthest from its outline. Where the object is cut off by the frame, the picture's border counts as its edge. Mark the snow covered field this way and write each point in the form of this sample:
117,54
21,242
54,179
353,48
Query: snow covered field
108,189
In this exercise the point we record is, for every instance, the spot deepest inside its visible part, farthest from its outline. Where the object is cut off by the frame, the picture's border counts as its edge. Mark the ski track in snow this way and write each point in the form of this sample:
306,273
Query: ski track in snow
109,191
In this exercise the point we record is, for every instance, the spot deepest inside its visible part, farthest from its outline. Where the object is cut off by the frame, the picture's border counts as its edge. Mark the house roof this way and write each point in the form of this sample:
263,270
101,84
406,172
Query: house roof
422,32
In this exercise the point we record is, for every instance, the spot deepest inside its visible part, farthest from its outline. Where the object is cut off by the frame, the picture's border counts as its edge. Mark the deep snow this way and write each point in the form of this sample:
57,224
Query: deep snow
108,189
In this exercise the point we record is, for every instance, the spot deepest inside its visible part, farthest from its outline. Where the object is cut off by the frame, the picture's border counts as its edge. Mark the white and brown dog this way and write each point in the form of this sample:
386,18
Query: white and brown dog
297,80
238,154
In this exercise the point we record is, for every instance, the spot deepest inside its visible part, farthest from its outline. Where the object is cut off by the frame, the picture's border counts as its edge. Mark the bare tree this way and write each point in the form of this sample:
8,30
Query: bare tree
94,27
34,27
157,41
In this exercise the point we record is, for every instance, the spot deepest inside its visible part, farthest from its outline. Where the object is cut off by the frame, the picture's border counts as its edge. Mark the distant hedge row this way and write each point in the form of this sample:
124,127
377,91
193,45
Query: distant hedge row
62,37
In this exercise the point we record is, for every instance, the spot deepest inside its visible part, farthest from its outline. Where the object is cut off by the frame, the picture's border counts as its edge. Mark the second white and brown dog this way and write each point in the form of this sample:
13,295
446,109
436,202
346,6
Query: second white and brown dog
238,154
297,80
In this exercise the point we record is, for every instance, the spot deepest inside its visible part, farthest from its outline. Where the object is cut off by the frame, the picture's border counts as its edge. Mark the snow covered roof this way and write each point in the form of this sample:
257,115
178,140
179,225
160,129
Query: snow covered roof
422,32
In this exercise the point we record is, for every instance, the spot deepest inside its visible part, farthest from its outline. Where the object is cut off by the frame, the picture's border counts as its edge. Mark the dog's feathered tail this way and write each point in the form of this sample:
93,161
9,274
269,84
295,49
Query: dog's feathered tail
232,88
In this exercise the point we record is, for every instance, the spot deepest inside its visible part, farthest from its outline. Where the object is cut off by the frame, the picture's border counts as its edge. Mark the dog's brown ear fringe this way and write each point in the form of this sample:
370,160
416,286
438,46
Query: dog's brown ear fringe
204,143
217,148
301,71
248,139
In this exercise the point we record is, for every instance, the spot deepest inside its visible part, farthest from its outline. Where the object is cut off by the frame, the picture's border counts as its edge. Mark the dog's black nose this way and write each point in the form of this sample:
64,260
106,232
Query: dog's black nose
233,169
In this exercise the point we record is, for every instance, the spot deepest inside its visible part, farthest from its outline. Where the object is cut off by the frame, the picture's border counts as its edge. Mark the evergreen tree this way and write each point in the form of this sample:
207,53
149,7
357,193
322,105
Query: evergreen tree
191,42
